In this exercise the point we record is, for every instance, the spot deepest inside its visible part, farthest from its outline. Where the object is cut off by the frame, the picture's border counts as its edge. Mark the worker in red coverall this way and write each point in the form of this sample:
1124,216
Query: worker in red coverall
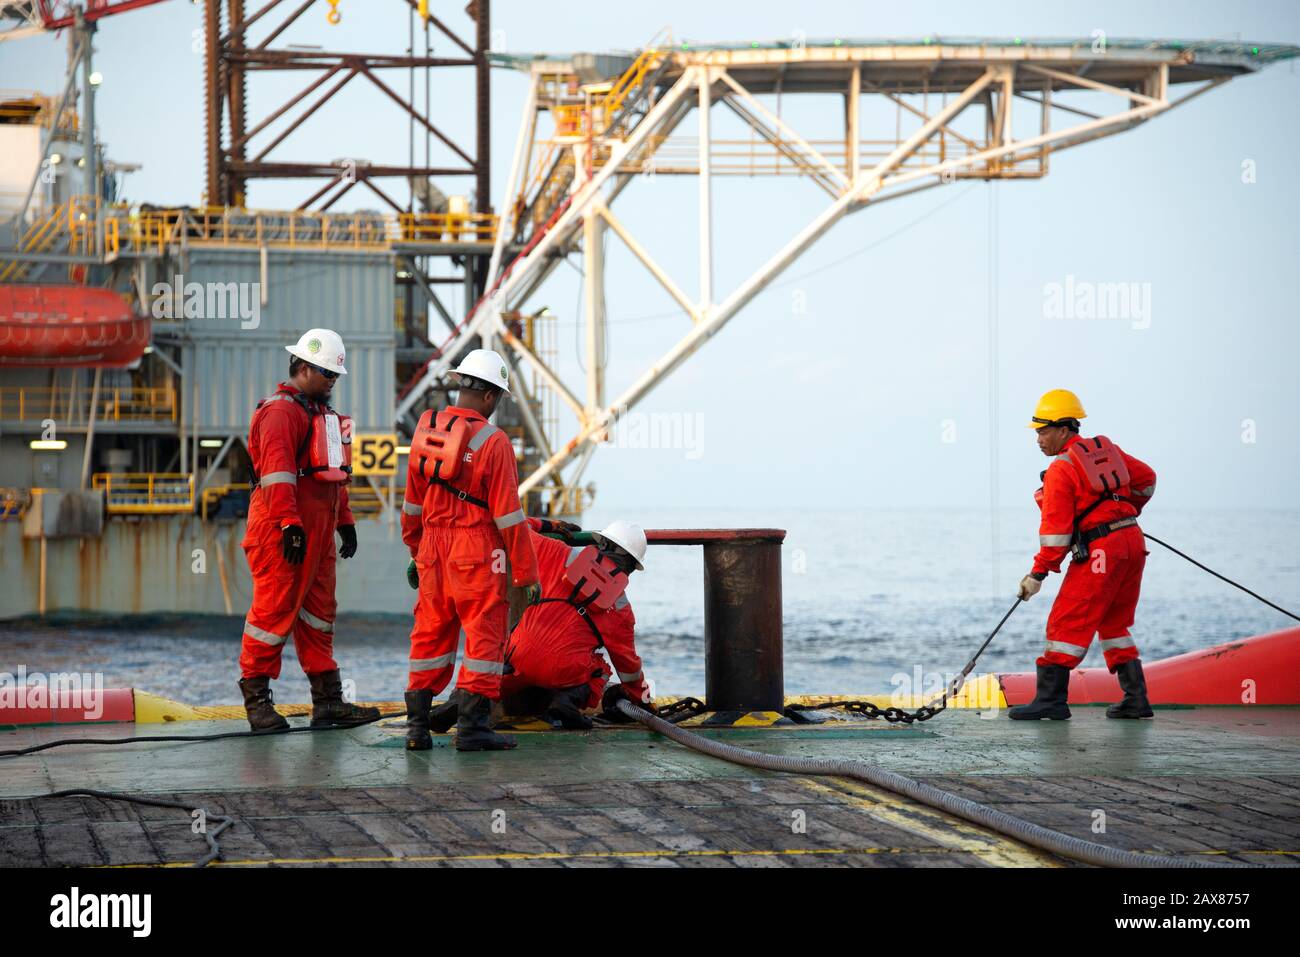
553,658
300,449
1092,494
461,520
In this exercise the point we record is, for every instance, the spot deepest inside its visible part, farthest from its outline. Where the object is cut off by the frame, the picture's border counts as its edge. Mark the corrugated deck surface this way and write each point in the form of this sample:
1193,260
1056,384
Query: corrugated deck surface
1213,781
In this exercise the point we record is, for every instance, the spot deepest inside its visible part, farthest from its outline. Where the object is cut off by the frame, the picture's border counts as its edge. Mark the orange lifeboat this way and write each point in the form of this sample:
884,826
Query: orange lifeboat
43,326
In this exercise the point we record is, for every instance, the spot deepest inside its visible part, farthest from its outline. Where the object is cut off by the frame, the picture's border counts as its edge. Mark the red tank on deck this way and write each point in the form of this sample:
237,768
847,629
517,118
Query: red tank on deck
43,326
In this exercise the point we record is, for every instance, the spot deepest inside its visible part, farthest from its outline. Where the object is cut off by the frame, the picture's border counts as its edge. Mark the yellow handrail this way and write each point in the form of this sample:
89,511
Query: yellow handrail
145,404
145,493
213,493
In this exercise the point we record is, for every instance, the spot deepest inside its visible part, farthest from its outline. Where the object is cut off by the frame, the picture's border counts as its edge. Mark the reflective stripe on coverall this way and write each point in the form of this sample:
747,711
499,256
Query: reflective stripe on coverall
1100,595
460,550
289,600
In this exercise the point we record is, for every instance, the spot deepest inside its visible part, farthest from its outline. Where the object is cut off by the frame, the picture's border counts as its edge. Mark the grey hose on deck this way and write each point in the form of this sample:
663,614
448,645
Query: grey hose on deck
1040,837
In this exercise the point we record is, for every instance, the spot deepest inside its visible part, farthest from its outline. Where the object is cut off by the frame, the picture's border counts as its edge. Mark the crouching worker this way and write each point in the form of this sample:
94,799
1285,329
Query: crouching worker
300,449
461,519
554,664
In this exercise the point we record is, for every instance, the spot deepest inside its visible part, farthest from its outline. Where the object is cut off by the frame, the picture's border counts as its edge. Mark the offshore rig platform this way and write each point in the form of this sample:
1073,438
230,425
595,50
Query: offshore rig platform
135,340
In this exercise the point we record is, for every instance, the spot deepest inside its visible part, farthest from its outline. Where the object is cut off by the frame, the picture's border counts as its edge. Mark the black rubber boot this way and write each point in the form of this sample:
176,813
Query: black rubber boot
417,720
328,709
473,726
1134,684
260,705
1050,698
446,714
565,709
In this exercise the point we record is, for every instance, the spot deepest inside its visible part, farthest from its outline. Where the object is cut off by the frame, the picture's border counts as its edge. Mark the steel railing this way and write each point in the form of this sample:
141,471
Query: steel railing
155,231
145,493
34,403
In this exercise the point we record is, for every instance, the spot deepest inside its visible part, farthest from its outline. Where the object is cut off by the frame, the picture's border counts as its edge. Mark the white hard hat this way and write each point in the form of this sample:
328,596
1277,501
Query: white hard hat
320,347
486,365
628,537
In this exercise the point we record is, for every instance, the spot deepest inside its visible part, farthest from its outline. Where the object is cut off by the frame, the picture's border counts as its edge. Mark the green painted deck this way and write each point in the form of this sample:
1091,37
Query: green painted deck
1192,781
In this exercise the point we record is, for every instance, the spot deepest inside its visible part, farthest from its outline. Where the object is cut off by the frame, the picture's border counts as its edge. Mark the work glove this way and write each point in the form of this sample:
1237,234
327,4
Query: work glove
609,704
413,575
1029,585
293,544
561,531
349,535
582,538
533,593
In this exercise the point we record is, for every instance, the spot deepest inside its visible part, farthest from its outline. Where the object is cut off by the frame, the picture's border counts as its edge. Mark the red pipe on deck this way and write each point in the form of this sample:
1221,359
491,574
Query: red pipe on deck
38,704
1264,669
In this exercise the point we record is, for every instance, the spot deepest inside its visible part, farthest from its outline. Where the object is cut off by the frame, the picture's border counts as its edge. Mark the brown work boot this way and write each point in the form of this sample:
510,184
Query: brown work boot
329,710
260,705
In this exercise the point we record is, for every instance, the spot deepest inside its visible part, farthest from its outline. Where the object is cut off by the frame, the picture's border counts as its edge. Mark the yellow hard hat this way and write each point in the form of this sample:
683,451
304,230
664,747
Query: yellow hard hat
1056,405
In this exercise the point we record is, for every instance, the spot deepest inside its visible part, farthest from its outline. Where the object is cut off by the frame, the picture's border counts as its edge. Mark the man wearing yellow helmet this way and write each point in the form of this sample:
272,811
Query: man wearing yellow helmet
1091,496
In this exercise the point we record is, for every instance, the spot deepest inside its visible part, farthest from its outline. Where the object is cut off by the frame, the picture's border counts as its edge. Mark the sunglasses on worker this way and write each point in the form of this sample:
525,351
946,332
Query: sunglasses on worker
327,373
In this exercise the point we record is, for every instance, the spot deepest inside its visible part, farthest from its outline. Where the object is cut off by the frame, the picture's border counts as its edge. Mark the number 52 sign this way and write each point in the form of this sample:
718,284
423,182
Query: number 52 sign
375,454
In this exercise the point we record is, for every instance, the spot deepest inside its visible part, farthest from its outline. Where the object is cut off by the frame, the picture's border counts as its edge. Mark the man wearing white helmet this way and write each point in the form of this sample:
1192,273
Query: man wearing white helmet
554,658
461,519
301,453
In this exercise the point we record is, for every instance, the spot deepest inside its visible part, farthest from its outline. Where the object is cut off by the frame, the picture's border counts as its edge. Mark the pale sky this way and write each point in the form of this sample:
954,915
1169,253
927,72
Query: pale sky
838,386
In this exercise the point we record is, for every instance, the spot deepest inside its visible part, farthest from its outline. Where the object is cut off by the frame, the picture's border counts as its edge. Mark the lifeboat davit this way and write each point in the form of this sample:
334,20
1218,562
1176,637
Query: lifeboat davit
43,326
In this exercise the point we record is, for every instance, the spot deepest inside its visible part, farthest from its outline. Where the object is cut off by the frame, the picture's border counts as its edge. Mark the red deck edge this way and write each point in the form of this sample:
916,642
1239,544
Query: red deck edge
1264,669
38,705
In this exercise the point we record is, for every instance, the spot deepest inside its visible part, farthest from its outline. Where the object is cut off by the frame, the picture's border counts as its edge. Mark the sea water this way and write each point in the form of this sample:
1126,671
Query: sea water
869,595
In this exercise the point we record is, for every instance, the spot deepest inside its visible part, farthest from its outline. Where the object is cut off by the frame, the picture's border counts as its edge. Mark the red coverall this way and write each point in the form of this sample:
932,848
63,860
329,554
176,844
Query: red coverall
1098,596
552,647
460,550
289,599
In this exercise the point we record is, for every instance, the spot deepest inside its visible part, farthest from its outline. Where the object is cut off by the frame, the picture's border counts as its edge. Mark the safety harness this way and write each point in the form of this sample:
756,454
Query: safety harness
1106,472
445,449
596,581
313,416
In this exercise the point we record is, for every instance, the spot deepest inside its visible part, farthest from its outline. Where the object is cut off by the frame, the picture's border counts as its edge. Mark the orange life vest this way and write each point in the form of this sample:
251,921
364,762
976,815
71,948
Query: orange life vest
596,581
1098,461
329,448
439,451
326,453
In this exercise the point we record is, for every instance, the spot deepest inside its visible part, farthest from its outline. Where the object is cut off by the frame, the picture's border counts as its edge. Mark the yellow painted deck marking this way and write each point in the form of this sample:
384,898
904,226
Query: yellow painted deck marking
951,832
981,691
